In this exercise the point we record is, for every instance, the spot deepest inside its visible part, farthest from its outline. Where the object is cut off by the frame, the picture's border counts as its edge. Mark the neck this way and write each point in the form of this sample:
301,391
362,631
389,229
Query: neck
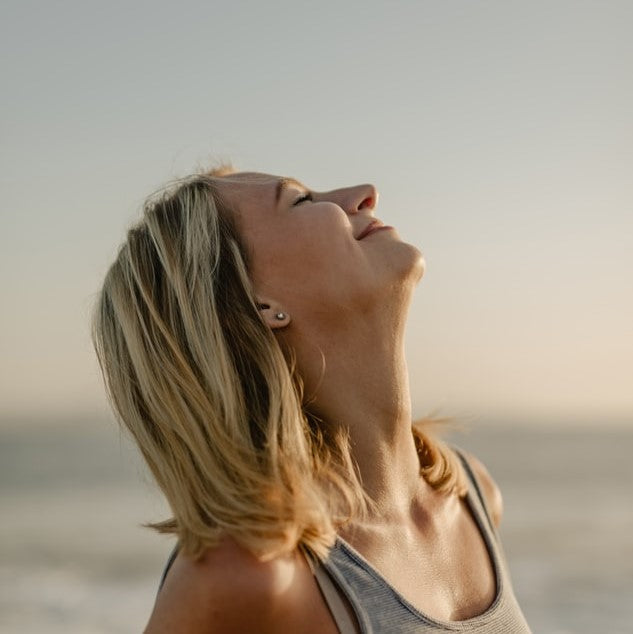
357,378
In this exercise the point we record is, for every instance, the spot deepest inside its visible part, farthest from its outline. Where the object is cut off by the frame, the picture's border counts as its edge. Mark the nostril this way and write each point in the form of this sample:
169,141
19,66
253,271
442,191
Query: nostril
367,202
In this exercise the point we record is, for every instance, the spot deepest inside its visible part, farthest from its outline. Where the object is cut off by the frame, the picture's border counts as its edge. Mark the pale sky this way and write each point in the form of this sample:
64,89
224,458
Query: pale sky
499,134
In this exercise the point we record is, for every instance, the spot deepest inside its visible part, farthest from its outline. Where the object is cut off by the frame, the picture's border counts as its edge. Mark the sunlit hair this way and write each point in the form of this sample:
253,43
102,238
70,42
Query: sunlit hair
210,397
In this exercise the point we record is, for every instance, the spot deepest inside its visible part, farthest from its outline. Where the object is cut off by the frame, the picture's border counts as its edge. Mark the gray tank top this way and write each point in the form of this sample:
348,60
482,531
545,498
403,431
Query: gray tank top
381,609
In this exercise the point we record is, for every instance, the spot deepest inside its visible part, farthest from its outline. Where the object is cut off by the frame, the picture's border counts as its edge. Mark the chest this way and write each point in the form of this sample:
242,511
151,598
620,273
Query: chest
446,574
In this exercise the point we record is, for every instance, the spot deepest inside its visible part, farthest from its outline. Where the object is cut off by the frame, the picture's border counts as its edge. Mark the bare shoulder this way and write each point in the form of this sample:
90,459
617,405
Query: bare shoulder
208,595
491,491
229,591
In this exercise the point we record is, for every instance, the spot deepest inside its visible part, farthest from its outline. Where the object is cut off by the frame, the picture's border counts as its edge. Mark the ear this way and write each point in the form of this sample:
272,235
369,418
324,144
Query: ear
272,313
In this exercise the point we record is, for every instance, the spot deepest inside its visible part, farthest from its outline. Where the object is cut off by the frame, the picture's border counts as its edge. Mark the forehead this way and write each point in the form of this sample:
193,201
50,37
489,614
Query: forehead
247,189
249,178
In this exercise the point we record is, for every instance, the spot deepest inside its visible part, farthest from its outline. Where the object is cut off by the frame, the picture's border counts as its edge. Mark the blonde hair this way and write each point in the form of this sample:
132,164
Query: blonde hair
206,391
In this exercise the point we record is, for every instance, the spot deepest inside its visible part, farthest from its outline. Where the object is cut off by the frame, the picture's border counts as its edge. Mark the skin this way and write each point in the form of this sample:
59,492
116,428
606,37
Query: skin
345,303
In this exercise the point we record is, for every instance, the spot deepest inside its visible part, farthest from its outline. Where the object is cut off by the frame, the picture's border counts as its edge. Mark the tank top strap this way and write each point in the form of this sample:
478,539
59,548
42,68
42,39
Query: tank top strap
480,498
480,507
331,592
168,565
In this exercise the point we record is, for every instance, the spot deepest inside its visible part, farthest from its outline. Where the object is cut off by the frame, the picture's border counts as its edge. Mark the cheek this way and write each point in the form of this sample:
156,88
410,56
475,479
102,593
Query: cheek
309,262
310,255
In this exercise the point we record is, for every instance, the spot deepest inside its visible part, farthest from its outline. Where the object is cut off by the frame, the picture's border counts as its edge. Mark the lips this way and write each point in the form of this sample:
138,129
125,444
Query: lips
374,224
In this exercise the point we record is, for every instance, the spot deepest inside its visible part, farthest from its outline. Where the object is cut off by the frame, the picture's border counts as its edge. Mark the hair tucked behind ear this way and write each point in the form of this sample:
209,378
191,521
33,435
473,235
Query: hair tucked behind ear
202,384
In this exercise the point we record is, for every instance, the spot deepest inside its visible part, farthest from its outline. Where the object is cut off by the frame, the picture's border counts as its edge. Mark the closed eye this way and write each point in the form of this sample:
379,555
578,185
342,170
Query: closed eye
302,199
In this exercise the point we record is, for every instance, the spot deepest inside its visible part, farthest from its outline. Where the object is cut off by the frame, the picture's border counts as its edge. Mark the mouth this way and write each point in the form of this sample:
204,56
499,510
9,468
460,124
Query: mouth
372,226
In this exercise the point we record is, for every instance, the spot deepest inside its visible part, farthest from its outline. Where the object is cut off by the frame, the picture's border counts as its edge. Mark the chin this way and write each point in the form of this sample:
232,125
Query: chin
413,263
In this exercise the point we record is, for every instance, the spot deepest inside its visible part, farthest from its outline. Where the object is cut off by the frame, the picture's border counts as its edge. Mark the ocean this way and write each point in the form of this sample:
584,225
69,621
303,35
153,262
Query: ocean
74,558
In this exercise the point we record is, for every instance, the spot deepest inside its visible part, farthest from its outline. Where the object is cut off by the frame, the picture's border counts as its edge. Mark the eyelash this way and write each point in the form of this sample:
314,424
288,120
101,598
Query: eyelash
303,199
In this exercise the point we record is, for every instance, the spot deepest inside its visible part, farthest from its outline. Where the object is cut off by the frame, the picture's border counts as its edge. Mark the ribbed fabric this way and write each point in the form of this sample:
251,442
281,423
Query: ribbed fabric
381,609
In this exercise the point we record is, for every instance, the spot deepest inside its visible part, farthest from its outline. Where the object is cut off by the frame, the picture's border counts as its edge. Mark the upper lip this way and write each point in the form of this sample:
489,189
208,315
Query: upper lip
374,224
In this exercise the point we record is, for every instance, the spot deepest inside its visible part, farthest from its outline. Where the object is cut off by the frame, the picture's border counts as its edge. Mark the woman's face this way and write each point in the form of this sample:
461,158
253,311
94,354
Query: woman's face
318,251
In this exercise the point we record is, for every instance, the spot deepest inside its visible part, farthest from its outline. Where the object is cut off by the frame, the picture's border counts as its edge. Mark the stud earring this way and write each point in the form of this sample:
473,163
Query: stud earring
280,316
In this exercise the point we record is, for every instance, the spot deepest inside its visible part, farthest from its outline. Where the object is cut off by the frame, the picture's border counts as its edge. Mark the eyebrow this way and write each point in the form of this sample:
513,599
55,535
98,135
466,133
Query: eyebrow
283,184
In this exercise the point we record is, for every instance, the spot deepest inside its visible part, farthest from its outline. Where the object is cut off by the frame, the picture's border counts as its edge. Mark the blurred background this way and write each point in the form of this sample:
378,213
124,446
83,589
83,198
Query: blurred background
500,137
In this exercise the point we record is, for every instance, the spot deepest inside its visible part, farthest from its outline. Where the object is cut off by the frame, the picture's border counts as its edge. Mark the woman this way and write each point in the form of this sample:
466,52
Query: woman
250,333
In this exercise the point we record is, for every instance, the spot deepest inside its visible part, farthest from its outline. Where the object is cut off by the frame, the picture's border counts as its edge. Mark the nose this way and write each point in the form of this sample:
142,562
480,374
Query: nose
355,199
